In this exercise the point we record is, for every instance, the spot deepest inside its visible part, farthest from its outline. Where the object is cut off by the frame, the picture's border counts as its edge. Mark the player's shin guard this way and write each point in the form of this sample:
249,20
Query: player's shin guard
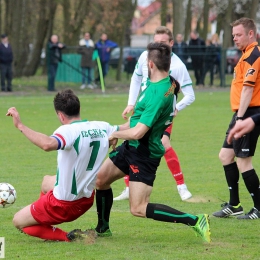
232,177
165,213
104,202
252,184
174,165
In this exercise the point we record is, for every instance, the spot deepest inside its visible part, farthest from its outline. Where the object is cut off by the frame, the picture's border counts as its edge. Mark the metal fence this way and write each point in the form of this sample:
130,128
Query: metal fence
69,69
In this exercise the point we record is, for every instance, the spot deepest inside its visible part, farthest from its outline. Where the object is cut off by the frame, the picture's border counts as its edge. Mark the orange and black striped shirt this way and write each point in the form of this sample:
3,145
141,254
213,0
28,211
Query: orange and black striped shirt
246,73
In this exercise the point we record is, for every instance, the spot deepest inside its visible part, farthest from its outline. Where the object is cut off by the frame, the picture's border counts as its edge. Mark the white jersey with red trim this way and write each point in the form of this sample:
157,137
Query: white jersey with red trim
178,70
83,146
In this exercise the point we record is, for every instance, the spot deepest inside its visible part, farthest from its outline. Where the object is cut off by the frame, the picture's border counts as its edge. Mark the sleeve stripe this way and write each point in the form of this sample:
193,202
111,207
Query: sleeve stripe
61,141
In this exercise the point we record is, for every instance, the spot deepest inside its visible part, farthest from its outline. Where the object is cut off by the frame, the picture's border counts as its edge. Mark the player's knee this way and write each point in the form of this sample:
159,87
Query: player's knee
100,182
16,222
225,157
137,212
166,142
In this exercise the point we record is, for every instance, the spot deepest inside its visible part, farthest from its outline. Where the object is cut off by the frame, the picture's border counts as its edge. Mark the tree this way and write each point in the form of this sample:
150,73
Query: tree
164,12
45,12
74,13
204,34
188,21
178,17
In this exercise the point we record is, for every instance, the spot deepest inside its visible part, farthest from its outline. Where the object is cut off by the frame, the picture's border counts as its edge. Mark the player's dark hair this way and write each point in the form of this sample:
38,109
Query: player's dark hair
67,102
247,23
160,55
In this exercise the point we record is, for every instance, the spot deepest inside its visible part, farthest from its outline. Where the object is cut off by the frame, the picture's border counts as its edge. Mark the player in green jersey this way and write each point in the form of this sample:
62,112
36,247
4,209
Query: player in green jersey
140,154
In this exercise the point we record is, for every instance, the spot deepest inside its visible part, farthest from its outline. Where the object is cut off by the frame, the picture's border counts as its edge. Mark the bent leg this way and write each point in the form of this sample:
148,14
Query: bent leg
24,218
107,174
174,166
140,207
172,159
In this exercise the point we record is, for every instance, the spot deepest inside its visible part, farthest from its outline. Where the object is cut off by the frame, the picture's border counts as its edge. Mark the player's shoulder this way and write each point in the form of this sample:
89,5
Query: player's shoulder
177,64
143,55
176,61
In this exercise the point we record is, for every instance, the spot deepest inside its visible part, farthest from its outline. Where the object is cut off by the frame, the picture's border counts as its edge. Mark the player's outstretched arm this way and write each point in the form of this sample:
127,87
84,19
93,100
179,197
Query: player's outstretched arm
241,128
43,141
125,126
134,133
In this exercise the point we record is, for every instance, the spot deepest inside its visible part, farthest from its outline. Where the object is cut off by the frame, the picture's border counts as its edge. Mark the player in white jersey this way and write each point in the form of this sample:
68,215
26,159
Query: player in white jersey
82,146
179,71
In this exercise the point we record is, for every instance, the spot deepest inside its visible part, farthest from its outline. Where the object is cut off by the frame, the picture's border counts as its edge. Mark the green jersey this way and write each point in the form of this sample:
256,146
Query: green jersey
154,108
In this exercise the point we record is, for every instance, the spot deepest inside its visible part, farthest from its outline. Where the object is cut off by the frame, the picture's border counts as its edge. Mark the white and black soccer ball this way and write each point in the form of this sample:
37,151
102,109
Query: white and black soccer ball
7,195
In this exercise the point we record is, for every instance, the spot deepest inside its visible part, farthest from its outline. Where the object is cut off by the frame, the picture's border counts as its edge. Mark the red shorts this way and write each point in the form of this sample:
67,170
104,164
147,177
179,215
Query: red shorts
168,130
50,211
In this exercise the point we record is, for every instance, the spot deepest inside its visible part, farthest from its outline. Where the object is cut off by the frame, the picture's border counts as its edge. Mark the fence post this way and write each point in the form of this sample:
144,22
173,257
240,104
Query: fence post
223,68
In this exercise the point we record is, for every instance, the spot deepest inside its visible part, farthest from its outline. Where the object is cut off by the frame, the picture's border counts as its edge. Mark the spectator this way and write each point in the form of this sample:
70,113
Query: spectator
6,59
104,47
86,49
210,60
196,51
54,48
180,48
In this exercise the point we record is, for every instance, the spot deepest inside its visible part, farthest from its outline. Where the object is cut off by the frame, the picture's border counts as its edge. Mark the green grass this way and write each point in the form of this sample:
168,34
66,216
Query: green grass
197,137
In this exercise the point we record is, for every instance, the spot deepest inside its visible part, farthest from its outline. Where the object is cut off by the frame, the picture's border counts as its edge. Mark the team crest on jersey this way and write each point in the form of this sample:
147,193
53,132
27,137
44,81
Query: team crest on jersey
250,72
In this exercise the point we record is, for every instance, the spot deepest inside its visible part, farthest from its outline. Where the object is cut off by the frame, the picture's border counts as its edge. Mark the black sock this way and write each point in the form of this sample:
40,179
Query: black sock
104,202
252,184
167,214
232,177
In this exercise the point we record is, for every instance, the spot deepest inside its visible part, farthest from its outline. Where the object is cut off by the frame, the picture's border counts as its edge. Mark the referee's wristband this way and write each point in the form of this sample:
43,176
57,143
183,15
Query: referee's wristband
239,118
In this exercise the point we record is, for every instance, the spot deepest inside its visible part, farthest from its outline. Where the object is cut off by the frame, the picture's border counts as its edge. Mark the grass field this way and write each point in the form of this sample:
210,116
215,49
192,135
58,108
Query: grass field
197,137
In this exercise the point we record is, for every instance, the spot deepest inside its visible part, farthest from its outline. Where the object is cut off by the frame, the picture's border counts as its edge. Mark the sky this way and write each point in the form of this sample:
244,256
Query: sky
144,2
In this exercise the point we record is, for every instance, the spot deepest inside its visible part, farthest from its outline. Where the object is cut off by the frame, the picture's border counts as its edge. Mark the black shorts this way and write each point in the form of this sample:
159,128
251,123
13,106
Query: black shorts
245,146
140,168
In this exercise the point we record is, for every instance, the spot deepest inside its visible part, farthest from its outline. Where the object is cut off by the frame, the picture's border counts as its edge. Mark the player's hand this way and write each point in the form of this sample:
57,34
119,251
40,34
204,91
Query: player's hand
241,128
127,110
112,142
15,115
176,112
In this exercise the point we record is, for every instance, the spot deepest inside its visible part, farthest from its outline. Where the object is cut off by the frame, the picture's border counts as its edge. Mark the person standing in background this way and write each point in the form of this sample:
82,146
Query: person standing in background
209,60
236,156
216,43
180,48
6,59
196,51
104,47
86,49
54,48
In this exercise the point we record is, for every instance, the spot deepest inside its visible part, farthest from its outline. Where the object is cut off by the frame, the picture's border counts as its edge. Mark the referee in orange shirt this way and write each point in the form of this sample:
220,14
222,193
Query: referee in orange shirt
245,102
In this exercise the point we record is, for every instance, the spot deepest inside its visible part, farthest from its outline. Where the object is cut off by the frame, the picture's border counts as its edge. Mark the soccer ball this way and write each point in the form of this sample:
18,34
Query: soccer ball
7,195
